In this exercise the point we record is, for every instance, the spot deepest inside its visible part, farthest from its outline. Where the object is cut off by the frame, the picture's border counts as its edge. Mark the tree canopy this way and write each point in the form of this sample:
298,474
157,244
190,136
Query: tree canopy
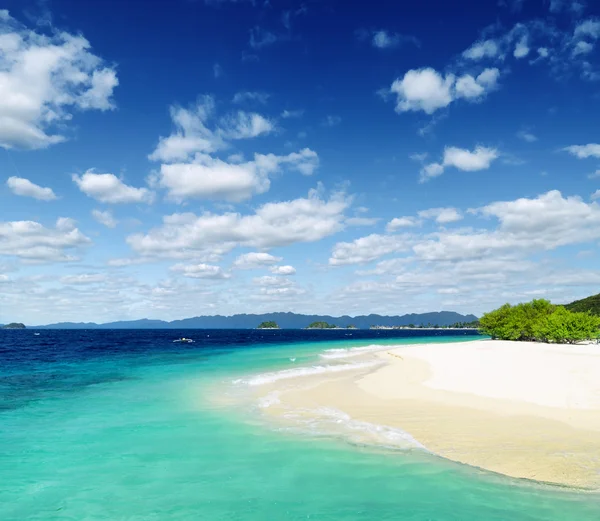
591,304
540,321
268,325
321,325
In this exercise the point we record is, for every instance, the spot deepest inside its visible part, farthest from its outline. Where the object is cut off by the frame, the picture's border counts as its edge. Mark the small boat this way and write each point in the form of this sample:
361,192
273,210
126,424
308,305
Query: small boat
184,340
36,334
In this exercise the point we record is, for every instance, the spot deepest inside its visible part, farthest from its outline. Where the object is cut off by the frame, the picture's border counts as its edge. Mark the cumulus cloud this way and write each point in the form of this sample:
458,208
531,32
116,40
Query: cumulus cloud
383,39
255,259
24,187
470,161
33,242
105,217
250,96
108,188
282,270
442,215
44,79
522,48
200,271
196,130
244,125
428,91
584,151
273,224
331,121
367,249
260,38
527,136
590,28
483,49
211,178
83,278
402,222
287,114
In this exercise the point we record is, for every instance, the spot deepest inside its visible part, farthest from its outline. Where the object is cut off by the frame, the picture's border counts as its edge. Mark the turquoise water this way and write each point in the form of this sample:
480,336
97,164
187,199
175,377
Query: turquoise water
155,438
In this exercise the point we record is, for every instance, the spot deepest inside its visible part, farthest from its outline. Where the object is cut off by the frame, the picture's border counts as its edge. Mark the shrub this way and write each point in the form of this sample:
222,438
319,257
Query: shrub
539,320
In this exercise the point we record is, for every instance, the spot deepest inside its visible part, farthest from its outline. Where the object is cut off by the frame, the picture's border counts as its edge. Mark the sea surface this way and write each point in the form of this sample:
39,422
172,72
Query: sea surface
127,425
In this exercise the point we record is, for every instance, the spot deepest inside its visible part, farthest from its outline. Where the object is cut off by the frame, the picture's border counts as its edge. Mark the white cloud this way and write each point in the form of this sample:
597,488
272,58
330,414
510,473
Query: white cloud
244,125
422,89
362,221
331,121
108,188
584,151
596,194
24,187
479,159
282,270
34,242
543,52
211,178
427,90
442,215
217,71
385,40
43,80
484,49
273,224
268,280
472,88
251,96
522,48
253,260
402,222
589,28
106,218
83,278
582,48
191,134
286,114
200,271
260,37
367,249
527,136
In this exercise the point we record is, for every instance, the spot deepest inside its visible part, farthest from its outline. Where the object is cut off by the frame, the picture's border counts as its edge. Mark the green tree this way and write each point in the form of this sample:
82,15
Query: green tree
268,325
539,320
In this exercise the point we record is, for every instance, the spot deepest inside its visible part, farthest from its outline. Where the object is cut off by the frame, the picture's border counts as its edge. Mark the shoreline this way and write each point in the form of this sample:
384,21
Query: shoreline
525,410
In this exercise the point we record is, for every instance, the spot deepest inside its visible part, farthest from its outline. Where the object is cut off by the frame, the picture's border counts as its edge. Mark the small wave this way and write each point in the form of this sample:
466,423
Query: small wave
333,354
329,421
267,378
270,399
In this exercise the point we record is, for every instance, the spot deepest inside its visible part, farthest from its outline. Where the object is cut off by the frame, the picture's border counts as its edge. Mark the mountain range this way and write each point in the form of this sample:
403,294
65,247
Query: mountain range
284,320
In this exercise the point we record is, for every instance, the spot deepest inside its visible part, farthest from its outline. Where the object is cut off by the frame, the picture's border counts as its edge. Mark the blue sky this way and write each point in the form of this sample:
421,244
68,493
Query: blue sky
171,159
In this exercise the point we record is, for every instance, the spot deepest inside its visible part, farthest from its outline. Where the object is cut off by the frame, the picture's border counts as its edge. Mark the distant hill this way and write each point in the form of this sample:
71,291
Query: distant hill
284,320
14,325
591,304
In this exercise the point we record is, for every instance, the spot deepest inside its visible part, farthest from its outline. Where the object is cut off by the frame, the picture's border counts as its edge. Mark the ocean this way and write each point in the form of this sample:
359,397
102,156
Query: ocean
129,426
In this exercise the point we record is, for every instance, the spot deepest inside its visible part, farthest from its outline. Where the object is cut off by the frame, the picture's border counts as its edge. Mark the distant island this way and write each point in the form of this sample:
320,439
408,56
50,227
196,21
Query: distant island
14,325
270,324
321,325
457,325
283,320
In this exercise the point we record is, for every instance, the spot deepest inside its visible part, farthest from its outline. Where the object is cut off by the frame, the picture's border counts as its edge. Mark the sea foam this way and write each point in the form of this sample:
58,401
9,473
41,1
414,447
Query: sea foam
267,378
333,354
329,421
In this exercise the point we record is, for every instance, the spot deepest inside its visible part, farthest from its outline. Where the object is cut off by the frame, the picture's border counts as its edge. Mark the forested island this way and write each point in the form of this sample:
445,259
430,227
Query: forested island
14,325
270,324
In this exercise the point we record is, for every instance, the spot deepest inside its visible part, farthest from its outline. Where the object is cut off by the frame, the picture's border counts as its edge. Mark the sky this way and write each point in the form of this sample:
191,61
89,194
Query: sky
173,158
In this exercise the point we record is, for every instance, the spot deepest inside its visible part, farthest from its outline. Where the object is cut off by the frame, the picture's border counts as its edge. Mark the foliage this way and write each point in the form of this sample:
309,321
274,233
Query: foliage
321,325
539,320
591,304
268,325
14,325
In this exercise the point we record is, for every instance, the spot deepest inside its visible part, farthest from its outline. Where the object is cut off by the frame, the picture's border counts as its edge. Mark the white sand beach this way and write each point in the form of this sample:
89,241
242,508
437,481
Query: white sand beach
526,410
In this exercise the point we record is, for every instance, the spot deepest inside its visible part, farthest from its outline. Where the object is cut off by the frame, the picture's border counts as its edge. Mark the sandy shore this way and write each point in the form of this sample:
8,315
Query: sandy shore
521,409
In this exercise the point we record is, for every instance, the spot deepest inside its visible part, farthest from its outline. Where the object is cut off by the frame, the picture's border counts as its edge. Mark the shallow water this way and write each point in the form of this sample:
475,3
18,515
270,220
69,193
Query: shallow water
125,425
